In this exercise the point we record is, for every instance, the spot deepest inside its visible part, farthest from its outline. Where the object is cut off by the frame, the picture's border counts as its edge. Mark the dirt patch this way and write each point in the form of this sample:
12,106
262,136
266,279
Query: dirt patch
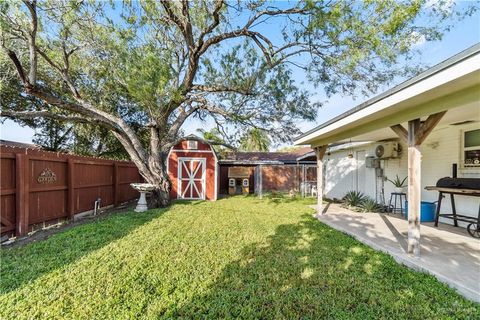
43,234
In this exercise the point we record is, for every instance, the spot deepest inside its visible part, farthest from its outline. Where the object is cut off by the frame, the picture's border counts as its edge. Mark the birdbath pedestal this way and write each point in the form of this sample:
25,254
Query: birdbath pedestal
143,188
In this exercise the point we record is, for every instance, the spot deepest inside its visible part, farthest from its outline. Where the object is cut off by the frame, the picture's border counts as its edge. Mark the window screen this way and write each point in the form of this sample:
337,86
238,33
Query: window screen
471,148
472,138
192,144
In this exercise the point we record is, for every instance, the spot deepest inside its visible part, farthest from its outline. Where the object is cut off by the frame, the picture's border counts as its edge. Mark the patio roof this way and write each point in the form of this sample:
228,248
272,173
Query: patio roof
451,84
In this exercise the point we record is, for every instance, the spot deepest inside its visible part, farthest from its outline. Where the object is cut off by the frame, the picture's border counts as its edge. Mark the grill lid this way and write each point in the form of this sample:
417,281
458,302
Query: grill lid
459,183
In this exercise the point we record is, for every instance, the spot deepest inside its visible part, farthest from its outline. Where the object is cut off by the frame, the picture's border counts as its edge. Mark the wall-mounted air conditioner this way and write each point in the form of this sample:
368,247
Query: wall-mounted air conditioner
387,150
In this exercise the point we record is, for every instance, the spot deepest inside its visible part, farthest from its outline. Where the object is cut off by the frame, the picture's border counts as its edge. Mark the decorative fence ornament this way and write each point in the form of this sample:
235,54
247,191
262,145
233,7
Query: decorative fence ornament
47,176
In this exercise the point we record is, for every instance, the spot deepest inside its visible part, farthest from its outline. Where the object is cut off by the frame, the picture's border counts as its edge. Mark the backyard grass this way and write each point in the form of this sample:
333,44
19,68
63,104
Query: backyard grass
235,258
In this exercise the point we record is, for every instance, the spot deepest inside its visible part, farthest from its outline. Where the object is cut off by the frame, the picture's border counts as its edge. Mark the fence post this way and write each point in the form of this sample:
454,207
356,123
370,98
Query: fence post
22,185
115,184
260,172
71,188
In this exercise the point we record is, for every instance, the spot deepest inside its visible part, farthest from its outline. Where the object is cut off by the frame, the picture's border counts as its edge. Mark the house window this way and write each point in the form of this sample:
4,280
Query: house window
471,149
192,144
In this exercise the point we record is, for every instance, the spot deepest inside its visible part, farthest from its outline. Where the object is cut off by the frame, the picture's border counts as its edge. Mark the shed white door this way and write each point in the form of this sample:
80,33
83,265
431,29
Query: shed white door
191,178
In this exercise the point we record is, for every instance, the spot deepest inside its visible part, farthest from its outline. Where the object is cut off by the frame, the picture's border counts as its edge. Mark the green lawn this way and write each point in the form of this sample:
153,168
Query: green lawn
234,258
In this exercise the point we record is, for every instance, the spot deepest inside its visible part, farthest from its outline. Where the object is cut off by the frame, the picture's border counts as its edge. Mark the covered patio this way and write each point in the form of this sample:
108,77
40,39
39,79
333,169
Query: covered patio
438,100
451,256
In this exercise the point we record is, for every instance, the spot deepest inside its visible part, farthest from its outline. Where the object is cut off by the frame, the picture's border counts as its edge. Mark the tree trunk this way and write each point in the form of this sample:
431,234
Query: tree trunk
158,176
161,195
159,198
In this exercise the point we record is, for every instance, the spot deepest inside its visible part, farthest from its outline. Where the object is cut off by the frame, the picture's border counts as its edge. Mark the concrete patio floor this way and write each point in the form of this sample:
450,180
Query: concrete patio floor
452,257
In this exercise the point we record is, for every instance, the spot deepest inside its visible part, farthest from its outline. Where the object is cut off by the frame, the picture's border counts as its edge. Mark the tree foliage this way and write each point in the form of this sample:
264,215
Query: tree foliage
255,140
54,136
252,140
140,69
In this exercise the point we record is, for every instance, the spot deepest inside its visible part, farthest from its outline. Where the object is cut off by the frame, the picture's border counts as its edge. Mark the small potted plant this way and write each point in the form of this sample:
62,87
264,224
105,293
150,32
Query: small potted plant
398,184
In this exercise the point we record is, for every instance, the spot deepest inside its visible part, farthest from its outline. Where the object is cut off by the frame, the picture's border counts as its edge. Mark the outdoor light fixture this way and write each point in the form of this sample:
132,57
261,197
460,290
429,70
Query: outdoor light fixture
350,154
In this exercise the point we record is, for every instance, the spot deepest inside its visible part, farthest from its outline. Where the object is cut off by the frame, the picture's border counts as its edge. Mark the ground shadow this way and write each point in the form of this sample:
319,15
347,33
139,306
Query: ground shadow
456,257
402,241
310,271
23,264
325,208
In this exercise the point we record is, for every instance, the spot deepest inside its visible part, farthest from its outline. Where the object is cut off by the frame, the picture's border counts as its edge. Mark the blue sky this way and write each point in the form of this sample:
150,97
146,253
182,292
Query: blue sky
463,35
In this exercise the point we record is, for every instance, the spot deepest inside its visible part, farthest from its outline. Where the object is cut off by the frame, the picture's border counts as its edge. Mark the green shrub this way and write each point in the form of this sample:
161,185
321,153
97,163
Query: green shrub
370,205
354,198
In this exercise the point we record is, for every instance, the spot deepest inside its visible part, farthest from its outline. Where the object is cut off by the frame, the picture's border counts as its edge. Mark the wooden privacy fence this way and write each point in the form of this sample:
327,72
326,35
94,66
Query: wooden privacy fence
39,187
285,177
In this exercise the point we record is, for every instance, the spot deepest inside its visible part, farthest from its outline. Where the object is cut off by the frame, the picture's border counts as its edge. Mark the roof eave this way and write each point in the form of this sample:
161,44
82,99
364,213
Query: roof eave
460,57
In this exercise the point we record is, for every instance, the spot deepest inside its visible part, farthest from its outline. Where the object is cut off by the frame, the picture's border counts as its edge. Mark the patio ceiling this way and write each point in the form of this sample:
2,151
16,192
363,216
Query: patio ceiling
452,117
452,84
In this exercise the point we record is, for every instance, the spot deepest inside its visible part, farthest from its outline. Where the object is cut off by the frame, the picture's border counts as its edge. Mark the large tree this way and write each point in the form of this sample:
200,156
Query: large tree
141,69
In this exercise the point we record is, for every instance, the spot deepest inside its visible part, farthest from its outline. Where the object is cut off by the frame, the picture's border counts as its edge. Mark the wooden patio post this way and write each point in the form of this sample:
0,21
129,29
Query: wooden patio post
414,185
320,152
417,133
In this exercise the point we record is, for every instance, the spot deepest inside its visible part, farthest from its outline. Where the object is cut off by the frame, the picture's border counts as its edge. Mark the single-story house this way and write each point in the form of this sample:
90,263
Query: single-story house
197,172
426,128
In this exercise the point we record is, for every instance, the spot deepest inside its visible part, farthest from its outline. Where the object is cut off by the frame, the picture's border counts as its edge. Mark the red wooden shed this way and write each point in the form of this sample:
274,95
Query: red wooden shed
192,166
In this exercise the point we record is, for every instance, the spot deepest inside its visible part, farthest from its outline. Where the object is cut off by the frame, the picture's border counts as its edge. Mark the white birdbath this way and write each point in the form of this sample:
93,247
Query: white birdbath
143,188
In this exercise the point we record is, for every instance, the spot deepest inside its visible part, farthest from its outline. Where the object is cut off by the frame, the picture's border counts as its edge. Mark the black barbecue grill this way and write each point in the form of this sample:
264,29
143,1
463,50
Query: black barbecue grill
458,186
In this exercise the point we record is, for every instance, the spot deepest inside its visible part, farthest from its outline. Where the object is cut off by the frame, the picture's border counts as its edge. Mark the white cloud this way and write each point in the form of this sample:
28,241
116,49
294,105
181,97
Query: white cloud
418,39
443,5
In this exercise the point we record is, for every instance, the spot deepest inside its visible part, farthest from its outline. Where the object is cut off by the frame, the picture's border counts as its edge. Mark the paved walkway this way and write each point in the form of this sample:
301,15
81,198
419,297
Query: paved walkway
452,257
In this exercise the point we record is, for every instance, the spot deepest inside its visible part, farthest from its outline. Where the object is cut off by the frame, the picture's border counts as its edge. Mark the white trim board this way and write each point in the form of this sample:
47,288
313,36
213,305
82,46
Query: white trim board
192,151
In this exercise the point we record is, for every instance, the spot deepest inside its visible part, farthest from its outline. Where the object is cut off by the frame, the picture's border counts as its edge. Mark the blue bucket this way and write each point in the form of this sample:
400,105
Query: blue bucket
427,211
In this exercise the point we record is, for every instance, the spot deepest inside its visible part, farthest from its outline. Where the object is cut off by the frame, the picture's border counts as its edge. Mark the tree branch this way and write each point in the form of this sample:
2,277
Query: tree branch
274,13
25,115
32,8
222,143
19,68
219,88
177,124
216,21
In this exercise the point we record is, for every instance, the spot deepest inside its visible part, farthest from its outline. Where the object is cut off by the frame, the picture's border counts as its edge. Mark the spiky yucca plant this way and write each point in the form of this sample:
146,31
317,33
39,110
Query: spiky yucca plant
354,198
370,205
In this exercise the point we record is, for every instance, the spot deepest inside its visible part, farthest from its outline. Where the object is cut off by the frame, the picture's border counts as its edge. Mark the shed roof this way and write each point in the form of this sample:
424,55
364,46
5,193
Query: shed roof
264,157
16,144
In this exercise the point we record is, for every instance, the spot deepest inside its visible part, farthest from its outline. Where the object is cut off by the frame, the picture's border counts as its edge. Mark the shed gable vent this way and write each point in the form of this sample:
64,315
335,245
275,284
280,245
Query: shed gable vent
192,145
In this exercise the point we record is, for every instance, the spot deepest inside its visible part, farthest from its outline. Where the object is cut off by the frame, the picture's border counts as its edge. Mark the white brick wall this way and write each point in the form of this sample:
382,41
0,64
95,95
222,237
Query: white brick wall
439,151
339,174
